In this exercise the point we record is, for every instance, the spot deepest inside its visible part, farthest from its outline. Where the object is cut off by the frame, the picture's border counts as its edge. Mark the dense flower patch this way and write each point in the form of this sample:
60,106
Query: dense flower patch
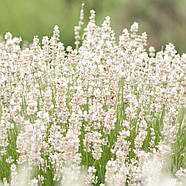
105,113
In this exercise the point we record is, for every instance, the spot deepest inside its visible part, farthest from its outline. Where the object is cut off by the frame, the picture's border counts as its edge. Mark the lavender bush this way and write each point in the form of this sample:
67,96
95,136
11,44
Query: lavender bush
105,113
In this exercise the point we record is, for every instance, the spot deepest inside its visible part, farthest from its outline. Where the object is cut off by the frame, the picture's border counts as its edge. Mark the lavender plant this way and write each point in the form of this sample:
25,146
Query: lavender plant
112,110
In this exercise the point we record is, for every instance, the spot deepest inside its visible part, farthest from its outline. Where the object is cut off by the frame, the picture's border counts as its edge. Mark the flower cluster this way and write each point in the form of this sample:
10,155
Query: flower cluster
107,107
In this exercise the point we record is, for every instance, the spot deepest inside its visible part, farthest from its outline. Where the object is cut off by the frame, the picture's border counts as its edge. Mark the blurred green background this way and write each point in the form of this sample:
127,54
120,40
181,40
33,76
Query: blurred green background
163,20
